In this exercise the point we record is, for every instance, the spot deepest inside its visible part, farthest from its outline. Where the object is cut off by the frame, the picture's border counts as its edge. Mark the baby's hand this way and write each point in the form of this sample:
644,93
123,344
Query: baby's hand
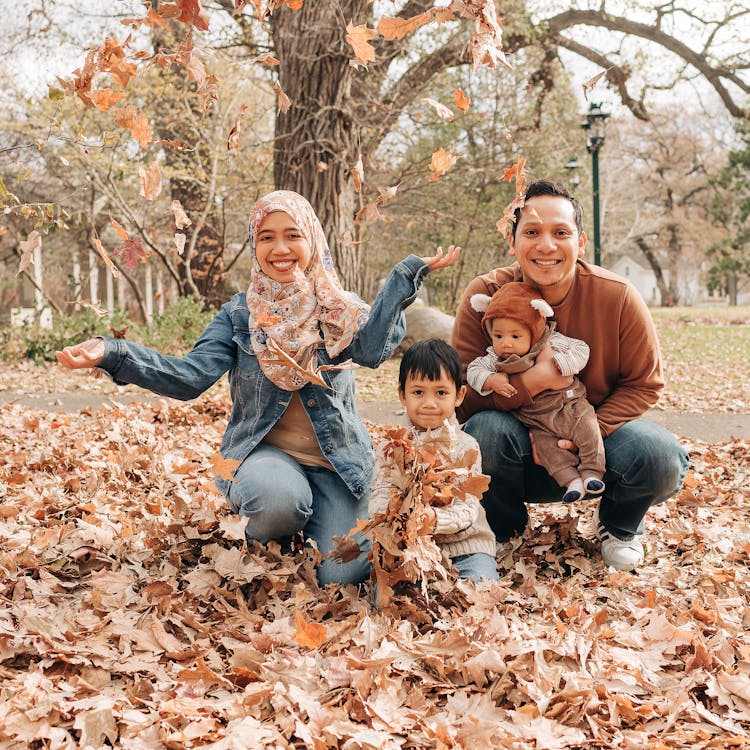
500,383
437,261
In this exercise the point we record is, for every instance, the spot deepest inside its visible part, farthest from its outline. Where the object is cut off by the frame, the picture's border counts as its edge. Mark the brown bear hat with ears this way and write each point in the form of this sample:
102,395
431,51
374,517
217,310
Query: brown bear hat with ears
517,301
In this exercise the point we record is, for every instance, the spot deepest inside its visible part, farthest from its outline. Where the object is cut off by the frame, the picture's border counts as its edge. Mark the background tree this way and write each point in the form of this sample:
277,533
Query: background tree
730,268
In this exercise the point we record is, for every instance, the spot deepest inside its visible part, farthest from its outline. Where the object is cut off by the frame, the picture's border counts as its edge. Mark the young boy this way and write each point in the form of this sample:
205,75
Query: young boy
516,320
430,389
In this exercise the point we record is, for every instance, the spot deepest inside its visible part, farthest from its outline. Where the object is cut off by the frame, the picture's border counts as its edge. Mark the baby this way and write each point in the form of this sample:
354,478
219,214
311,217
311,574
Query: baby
516,320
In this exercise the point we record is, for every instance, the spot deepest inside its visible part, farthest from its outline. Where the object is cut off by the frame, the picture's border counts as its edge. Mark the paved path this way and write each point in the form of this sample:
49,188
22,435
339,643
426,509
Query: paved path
710,428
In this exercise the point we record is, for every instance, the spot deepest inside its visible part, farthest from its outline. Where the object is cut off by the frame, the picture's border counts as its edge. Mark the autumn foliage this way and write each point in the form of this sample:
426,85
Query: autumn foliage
135,616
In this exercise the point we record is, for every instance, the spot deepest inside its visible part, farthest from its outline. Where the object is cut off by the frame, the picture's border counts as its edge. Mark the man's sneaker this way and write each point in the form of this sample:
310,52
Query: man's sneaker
618,553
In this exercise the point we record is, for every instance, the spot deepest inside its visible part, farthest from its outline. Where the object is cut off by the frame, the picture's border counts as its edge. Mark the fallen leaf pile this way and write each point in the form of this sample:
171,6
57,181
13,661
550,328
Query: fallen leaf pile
134,616
418,478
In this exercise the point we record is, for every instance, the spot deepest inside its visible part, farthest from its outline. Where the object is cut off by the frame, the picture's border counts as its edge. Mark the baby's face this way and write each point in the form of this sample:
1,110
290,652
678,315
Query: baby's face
509,337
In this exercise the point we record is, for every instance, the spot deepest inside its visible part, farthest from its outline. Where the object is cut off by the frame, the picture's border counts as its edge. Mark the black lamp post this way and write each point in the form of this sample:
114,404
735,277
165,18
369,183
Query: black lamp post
594,127
572,165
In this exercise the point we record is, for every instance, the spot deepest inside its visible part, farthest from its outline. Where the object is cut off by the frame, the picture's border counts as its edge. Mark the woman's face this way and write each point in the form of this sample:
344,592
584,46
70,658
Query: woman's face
281,248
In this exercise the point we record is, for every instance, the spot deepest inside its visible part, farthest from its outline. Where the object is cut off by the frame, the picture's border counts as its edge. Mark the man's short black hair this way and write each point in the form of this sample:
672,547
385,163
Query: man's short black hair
549,187
427,359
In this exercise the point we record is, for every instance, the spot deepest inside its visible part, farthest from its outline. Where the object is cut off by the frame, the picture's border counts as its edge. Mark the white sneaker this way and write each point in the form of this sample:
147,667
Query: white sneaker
618,553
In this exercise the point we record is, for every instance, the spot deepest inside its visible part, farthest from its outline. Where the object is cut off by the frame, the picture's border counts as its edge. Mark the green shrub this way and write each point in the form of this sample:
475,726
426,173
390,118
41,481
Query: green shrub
173,332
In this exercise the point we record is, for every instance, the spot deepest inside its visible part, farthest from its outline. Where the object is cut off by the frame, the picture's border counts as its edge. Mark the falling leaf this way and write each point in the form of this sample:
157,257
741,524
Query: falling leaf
224,467
96,242
358,174
369,212
441,162
517,172
150,181
591,83
462,100
266,59
179,242
309,634
442,111
233,141
359,38
387,194
181,219
121,231
192,13
105,99
282,100
130,118
397,28
27,249
132,253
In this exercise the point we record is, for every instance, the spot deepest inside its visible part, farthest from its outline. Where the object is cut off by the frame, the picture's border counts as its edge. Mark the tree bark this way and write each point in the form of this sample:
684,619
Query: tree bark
655,266
317,141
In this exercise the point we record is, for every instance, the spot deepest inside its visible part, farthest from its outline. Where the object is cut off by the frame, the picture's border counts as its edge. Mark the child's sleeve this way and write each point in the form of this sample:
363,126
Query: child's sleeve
570,355
462,512
478,371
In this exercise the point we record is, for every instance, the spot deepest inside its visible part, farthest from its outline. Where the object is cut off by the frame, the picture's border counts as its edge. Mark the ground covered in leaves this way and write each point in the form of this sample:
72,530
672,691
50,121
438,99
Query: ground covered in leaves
132,615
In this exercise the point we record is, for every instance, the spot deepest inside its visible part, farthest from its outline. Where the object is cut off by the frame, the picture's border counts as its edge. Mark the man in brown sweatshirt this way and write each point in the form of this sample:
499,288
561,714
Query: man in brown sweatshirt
645,463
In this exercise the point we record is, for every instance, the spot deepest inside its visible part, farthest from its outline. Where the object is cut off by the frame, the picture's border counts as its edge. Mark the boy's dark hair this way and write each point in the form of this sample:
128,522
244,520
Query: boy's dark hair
549,187
427,359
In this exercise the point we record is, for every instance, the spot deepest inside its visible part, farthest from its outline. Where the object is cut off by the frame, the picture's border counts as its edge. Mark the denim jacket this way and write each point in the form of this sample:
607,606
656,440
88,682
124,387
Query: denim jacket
257,404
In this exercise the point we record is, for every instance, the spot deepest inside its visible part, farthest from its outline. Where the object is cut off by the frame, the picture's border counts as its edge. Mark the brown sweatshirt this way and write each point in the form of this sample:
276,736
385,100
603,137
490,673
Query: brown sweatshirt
623,377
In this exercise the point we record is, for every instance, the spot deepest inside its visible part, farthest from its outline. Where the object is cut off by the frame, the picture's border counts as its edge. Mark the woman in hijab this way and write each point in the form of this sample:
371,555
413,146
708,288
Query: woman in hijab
289,345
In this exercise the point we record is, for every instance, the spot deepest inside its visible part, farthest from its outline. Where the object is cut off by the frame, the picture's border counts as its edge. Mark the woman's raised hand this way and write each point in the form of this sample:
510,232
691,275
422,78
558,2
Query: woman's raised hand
86,354
440,260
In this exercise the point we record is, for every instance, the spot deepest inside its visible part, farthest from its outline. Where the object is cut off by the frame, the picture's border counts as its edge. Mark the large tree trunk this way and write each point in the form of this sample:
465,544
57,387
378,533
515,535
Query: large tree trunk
317,140
655,266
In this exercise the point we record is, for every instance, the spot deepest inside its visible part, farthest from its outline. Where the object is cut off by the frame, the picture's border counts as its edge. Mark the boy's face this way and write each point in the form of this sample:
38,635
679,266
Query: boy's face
509,337
430,402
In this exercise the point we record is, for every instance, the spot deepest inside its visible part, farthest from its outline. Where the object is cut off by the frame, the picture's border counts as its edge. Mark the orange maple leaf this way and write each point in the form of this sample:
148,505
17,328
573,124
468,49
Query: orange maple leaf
309,634
105,99
224,467
192,13
462,100
359,38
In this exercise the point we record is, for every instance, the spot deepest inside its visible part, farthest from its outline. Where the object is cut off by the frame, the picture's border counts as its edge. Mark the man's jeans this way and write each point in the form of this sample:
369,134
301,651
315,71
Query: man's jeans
477,566
281,497
645,466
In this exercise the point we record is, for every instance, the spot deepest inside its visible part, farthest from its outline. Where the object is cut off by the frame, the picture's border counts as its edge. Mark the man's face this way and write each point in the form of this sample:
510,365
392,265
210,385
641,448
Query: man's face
547,244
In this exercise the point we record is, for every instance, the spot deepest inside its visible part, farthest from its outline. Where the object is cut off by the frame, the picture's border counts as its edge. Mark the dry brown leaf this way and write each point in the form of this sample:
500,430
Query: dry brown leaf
359,38
591,83
309,634
233,141
442,160
96,242
130,118
27,249
358,174
150,181
282,100
443,112
181,219
122,233
224,468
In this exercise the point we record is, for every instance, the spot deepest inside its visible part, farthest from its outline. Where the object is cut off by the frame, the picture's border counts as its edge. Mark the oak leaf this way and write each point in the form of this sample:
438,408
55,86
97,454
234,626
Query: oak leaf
309,634
105,99
224,467
359,38
132,253
192,13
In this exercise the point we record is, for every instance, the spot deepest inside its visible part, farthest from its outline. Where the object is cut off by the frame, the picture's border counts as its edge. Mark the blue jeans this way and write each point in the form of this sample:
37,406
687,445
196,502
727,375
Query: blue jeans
281,497
477,566
646,465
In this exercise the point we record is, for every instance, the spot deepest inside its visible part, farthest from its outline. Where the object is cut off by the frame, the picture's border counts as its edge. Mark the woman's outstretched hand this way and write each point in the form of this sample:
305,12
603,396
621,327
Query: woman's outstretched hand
86,354
440,260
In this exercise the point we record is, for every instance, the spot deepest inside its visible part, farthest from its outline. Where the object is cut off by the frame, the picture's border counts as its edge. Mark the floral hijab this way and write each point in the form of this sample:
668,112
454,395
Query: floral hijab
288,321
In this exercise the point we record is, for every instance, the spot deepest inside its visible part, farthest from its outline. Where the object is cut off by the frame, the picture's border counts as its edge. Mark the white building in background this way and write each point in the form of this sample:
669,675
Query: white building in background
640,276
